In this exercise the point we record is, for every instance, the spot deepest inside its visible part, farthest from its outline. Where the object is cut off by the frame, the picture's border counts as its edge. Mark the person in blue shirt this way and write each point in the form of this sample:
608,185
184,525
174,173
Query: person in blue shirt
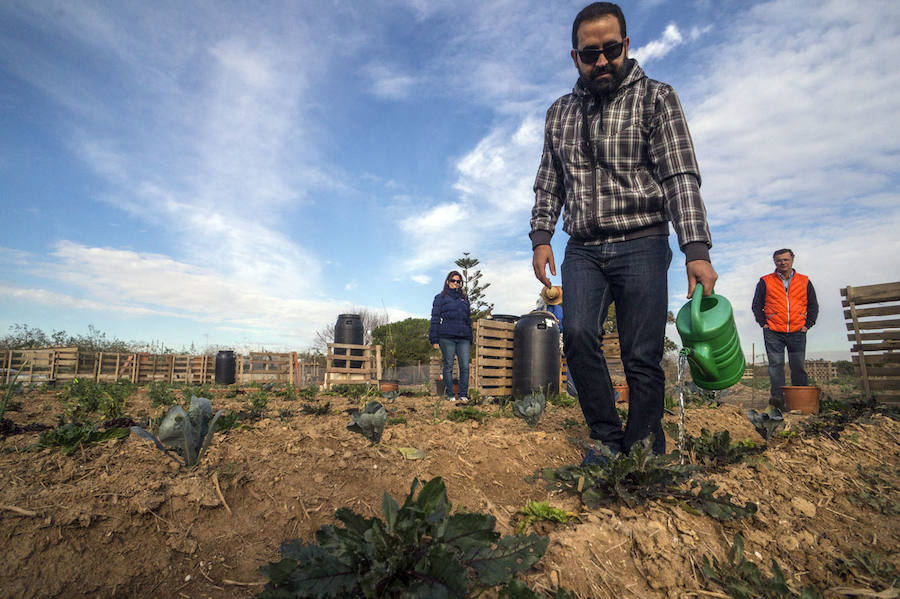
451,332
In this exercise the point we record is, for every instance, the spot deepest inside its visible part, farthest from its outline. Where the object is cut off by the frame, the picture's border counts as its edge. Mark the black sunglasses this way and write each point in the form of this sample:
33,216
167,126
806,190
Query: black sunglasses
456,281
611,51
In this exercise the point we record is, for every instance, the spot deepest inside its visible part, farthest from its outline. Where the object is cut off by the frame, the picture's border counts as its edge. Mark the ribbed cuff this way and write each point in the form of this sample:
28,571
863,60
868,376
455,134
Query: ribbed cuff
696,250
540,237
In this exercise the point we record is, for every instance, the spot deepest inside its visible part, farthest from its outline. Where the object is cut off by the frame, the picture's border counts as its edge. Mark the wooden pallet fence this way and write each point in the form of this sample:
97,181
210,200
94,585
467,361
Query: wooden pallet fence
494,357
359,369
264,367
874,333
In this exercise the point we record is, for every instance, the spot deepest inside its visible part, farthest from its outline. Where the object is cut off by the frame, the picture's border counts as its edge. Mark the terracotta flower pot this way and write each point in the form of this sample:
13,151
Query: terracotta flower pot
804,399
389,385
623,393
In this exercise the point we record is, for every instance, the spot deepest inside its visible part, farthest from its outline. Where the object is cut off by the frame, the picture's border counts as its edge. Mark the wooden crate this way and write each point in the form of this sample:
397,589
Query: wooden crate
875,337
494,357
356,370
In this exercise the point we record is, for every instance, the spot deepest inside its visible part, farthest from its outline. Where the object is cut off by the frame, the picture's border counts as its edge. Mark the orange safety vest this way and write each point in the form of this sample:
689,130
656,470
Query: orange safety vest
785,309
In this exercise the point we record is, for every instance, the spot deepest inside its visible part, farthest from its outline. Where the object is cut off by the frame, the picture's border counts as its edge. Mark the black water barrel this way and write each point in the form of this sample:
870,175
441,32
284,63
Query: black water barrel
348,329
225,363
504,317
536,354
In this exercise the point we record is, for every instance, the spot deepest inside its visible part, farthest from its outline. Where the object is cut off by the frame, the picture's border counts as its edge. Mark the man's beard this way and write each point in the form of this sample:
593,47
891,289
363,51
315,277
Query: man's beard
604,87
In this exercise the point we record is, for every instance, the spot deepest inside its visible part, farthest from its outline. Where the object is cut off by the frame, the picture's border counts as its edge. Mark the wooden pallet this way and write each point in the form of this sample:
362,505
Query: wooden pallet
875,337
356,369
493,357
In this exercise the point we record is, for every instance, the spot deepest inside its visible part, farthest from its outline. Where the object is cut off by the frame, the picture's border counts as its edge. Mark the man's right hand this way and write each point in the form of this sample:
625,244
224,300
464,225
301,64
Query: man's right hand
543,255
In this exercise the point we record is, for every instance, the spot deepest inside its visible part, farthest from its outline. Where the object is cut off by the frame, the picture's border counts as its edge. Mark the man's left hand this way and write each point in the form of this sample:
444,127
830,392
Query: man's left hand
803,329
701,271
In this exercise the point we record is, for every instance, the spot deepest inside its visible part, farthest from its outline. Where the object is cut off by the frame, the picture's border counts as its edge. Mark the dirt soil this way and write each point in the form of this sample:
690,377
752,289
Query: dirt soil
120,519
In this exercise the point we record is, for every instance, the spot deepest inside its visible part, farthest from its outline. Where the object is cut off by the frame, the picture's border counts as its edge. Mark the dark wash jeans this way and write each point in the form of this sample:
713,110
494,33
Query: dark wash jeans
633,274
459,348
776,343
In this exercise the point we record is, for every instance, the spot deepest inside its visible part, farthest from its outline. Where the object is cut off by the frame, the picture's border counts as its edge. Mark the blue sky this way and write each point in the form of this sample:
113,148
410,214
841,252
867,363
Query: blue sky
239,174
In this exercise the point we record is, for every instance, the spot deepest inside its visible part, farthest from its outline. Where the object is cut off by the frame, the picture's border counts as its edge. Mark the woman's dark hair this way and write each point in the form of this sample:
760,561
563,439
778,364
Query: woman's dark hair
595,11
462,289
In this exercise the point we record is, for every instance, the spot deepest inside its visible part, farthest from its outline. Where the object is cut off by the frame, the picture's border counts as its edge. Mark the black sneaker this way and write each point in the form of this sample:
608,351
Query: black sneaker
777,402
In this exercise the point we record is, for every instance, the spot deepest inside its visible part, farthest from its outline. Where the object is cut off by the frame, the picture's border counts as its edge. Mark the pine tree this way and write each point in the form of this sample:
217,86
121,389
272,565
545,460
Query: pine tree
473,287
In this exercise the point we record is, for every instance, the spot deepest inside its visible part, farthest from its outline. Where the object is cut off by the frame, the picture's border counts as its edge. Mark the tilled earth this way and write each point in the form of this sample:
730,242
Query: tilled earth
120,519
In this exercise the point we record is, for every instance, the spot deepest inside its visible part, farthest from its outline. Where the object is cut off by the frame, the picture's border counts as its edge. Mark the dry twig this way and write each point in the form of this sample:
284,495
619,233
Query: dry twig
215,479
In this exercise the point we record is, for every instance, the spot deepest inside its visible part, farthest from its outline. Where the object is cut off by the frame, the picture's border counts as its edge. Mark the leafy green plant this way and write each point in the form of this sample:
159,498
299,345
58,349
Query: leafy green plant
71,436
537,511
11,390
570,422
369,422
113,398
878,571
396,420
189,390
877,492
419,550
742,579
561,400
79,398
316,409
466,413
308,393
638,477
285,414
354,392
766,423
715,450
229,420
259,401
188,434
161,394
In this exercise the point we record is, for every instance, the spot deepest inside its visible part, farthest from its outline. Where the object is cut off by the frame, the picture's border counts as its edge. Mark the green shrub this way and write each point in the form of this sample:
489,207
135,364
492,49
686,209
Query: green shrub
418,550
161,394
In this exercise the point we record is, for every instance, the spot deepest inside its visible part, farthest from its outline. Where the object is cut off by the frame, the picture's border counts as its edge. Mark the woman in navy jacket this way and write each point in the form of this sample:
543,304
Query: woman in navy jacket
451,331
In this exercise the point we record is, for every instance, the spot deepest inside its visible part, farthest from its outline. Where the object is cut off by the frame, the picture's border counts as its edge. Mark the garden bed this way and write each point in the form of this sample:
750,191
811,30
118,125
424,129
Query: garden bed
120,519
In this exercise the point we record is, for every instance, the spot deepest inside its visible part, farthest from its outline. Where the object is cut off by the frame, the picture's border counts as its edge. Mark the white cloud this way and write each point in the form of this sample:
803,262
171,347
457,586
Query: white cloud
388,83
122,283
421,279
658,48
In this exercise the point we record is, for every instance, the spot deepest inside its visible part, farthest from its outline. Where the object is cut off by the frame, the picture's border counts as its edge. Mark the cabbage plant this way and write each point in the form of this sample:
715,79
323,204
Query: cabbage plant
184,436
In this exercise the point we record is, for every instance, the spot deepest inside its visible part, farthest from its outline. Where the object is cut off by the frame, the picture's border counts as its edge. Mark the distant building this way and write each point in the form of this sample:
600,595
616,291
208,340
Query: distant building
821,370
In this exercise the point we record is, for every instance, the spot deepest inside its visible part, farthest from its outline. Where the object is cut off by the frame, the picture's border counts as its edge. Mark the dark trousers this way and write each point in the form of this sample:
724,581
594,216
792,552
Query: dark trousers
633,274
776,344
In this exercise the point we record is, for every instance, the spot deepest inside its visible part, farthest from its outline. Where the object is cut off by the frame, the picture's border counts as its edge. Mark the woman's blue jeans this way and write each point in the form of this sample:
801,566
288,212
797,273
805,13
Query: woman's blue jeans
458,348
633,274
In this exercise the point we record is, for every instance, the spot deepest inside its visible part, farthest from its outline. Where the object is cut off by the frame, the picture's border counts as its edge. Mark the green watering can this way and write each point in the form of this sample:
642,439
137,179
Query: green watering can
710,340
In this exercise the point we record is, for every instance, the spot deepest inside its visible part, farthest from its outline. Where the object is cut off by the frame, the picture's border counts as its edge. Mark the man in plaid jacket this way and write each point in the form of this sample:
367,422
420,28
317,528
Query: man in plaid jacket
619,158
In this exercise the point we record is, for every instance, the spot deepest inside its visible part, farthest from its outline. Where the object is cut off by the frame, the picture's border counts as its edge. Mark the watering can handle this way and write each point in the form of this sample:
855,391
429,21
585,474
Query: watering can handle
696,322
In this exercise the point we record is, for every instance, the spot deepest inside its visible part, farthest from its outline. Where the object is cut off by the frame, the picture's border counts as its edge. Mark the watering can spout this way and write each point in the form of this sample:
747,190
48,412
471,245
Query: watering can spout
701,357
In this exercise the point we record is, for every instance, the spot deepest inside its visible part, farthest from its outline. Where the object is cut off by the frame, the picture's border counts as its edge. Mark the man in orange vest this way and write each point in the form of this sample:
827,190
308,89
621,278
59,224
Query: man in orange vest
785,307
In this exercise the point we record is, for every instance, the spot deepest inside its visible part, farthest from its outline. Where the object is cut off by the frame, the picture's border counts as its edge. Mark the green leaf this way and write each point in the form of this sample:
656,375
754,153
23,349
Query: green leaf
389,508
512,555
444,576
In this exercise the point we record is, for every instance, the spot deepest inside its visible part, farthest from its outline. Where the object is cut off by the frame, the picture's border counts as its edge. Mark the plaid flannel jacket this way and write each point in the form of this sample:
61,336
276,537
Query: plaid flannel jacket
642,172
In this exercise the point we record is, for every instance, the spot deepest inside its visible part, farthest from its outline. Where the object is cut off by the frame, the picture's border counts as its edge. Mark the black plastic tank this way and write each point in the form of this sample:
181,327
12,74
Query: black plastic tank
348,329
225,365
536,354
504,317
